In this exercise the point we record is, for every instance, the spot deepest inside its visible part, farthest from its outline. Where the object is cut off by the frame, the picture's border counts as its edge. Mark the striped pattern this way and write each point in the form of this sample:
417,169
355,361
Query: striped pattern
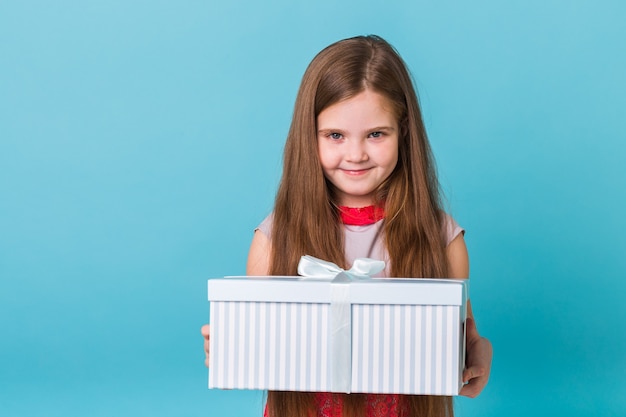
267,345
406,349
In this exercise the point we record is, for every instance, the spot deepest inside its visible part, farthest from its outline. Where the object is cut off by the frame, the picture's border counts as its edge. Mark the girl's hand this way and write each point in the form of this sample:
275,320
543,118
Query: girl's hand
205,333
477,362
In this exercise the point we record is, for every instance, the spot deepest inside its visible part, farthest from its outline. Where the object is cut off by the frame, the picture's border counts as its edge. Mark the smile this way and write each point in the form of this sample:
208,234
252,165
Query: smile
355,172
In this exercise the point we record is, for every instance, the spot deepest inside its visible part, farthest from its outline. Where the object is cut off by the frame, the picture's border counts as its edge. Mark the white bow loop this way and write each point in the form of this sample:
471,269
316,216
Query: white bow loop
363,268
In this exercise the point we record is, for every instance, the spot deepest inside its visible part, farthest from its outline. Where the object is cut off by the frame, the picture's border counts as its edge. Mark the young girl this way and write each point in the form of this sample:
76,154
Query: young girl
359,180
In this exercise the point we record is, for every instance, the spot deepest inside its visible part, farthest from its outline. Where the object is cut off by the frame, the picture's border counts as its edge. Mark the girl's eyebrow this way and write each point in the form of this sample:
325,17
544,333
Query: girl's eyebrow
375,129
329,130
372,129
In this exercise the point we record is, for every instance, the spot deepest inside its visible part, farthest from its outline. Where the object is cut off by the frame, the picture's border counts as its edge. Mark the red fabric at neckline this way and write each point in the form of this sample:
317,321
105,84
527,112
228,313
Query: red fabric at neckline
361,216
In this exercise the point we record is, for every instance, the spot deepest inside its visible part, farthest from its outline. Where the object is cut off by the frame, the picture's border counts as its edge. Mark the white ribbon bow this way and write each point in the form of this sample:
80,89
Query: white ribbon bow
339,350
362,268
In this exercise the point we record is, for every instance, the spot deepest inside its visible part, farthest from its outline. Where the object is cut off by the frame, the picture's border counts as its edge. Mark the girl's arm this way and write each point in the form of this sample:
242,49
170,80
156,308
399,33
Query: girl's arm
259,255
479,350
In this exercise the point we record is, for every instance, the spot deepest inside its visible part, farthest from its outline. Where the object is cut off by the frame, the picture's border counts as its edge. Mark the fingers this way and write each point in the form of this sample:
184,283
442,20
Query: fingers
472,389
475,380
471,373
477,362
205,330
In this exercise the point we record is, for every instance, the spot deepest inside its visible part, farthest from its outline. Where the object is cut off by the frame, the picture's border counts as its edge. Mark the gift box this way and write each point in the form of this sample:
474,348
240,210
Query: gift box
339,332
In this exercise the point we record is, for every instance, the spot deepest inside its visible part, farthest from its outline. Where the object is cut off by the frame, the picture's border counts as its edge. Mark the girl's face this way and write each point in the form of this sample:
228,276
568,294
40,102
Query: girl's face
358,146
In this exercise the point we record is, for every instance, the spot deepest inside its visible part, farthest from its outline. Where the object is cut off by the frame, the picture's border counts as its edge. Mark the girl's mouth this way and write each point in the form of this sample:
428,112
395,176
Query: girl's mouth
355,172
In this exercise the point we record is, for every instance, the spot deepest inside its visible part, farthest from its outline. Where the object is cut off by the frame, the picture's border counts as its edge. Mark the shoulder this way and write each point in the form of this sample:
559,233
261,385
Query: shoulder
260,248
259,255
266,226
456,250
451,229
458,258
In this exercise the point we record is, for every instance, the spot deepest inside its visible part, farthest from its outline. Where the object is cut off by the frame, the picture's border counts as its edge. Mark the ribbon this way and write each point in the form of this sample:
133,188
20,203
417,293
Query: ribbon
362,268
340,338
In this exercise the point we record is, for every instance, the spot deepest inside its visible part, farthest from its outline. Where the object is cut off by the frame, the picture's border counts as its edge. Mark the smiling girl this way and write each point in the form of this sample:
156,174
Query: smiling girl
359,180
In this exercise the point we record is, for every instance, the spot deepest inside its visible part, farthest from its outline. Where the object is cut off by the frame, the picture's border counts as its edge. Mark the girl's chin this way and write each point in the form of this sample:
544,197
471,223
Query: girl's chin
356,201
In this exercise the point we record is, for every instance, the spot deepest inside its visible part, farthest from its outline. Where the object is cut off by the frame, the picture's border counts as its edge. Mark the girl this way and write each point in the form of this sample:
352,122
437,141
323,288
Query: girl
359,180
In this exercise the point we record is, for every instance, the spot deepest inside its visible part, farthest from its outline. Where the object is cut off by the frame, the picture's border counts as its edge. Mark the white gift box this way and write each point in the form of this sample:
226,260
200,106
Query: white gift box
403,336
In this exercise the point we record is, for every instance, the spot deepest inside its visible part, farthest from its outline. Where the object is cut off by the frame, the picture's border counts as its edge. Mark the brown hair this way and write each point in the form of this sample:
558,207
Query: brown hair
306,217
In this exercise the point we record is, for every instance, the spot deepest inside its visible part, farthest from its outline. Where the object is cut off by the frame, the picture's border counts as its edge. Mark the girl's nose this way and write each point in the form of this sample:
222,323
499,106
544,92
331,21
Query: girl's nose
356,151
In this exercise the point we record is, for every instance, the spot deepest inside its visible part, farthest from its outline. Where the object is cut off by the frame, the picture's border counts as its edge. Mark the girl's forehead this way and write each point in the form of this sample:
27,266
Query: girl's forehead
364,110
365,99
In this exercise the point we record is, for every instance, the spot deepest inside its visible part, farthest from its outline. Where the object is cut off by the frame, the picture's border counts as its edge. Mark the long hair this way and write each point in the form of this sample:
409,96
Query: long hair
306,215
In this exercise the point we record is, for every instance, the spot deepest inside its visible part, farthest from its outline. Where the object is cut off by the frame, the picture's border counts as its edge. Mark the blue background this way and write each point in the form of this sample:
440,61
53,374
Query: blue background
141,142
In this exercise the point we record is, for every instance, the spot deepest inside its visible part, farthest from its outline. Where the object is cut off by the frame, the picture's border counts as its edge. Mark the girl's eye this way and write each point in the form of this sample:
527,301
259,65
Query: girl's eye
376,134
335,135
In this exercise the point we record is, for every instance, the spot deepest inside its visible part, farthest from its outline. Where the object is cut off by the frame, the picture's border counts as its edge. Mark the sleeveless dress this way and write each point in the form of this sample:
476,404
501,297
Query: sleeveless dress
365,242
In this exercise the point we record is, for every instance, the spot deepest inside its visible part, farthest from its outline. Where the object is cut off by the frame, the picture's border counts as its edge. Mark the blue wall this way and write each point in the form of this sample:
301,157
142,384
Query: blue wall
140,143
